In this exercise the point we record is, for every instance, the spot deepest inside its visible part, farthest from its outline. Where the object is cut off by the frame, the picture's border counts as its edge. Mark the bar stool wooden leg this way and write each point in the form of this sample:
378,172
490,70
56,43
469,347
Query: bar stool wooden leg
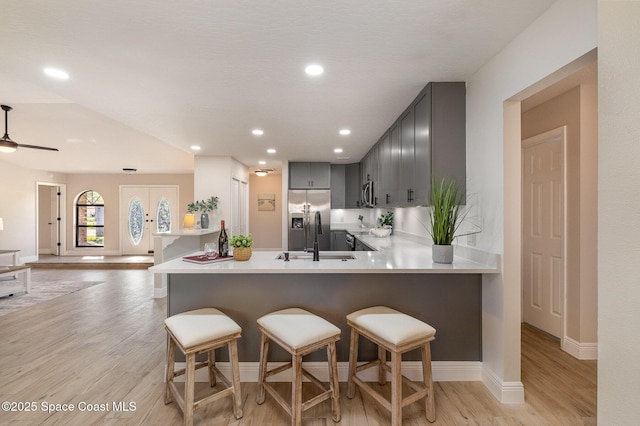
382,358
171,357
189,389
430,406
334,385
202,331
396,388
212,363
262,372
353,361
235,378
296,391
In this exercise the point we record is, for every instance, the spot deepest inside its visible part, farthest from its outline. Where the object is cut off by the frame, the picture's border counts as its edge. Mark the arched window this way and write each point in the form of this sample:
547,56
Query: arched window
90,220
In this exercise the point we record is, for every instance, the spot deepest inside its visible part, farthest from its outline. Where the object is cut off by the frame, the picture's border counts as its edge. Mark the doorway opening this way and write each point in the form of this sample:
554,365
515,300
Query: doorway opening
558,127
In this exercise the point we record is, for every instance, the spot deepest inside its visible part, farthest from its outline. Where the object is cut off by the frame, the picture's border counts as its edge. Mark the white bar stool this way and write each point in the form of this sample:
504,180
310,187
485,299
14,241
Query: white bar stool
299,332
397,333
195,332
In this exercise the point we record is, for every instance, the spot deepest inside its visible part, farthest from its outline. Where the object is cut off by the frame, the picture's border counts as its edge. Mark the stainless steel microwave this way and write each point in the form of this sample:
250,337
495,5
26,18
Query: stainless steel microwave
368,199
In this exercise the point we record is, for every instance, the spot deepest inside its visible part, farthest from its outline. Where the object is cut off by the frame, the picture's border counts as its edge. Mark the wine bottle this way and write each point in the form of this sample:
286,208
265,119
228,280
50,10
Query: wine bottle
223,241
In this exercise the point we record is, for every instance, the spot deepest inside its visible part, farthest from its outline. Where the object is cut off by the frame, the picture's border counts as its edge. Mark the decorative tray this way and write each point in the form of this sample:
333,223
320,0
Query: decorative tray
203,258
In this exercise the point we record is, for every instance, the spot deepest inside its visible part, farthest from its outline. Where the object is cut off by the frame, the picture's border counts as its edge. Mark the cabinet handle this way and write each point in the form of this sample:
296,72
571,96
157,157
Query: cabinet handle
375,201
410,195
388,199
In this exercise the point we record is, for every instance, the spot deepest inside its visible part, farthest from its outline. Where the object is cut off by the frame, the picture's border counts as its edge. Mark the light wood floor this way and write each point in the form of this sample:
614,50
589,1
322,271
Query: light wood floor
106,344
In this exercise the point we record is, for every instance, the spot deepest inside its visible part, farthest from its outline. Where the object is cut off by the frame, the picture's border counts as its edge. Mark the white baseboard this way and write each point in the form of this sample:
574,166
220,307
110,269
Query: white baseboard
504,392
582,351
443,371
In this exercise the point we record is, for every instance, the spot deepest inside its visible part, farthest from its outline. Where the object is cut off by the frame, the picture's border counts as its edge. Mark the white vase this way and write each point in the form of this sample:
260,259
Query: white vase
442,253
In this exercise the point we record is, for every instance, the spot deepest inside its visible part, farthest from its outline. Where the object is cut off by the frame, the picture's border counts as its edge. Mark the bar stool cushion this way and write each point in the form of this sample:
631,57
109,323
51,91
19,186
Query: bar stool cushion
297,328
199,326
390,325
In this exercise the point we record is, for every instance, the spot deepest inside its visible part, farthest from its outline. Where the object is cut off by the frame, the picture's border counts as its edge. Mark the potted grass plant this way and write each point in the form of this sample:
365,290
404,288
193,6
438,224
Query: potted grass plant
445,217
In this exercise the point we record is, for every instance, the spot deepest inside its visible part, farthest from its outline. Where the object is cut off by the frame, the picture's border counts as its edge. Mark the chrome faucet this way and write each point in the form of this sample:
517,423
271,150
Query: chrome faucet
318,230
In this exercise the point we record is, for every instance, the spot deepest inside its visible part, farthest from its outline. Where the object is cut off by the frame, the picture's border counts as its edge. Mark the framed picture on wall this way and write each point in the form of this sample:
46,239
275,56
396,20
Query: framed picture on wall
266,202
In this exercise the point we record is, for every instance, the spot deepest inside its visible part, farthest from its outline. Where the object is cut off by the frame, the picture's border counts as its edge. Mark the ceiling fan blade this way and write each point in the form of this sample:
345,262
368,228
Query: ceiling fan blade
46,148
6,144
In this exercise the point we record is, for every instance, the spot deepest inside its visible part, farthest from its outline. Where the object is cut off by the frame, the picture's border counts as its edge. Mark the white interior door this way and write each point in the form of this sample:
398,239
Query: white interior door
144,211
543,232
239,210
55,215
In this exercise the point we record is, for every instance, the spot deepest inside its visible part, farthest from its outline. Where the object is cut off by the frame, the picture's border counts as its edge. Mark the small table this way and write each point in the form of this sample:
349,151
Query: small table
15,256
21,280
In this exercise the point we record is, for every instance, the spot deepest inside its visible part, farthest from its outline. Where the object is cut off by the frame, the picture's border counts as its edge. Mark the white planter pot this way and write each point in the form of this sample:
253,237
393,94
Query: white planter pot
442,254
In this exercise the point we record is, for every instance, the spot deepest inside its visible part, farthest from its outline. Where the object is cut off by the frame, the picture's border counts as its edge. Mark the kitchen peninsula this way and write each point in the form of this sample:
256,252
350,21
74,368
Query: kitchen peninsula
400,274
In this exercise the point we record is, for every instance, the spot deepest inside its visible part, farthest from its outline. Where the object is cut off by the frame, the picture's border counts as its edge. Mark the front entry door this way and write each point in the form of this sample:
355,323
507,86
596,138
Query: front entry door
543,231
144,211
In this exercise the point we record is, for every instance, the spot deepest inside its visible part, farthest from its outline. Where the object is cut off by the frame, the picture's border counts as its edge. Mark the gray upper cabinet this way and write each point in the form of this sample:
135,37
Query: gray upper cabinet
338,186
392,198
388,169
353,187
427,141
345,186
440,137
422,148
309,176
407,157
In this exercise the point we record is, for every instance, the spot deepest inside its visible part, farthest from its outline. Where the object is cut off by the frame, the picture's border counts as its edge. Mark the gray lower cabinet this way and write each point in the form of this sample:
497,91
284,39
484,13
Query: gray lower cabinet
339,240
360,246
309,175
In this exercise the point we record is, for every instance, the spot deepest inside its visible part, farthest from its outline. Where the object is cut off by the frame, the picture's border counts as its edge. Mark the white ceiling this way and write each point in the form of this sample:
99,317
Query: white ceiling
150,78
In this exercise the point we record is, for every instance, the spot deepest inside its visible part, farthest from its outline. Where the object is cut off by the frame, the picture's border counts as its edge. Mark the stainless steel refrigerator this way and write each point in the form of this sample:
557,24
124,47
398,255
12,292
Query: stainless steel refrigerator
303,205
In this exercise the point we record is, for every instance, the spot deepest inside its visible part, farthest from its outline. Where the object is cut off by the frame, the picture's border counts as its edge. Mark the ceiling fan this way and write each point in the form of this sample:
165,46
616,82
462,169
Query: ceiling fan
6,144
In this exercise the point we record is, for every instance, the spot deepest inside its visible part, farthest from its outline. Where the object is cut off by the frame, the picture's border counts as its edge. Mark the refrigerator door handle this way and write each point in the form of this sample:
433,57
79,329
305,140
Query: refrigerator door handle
306,225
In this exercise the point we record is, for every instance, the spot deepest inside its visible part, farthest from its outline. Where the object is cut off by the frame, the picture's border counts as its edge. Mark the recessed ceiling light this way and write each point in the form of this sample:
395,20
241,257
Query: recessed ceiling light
56,73
195,147
258,132
345,132
314,69
338,150
271,151
262,162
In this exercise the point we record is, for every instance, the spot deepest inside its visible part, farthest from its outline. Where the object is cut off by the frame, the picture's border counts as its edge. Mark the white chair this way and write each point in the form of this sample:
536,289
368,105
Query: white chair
299,332
397,333
195,332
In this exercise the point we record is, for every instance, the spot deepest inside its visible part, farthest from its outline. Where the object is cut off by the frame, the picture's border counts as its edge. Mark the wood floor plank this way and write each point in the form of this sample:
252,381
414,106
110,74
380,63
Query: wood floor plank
105,344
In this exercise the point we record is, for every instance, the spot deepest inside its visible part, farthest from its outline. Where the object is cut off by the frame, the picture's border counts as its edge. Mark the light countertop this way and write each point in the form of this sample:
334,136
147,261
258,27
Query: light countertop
394,254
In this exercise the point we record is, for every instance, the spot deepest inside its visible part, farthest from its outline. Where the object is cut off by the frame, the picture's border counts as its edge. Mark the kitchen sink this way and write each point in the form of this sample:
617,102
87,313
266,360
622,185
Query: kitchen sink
323,256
